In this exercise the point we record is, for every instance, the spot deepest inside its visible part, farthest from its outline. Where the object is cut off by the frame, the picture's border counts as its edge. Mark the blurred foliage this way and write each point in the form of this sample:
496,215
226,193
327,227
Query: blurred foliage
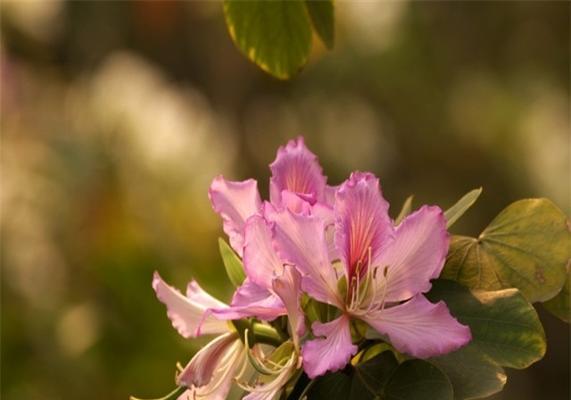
117,115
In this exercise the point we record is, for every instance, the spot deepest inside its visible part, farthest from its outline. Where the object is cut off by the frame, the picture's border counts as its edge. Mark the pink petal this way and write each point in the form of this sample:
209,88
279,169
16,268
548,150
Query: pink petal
331,353
363,224
261,262
420,328
235,202
288,287
251,300
187,315
269,390
297,170
198,372
416,255
300,240
222,377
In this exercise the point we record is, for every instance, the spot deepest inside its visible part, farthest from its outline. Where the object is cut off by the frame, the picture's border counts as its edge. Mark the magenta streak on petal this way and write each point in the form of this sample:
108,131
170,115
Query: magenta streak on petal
235,202
297,170
363,225
331,353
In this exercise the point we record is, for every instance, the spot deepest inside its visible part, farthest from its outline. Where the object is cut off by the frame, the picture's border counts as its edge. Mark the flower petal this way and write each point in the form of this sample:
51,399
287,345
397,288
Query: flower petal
415,256
288,287
297,170
198,372
235,202
420,328
300,240
188,314
261,262
222,377
270,390
251,300
331,353
362,222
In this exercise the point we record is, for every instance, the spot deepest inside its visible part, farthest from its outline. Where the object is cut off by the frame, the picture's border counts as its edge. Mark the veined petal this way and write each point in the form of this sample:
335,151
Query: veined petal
188,314
363,225
415,256
251,300
288,287
270,390
261,262
330,353
198,372
222,377
420,328
235,202
295,203
300,240
297,170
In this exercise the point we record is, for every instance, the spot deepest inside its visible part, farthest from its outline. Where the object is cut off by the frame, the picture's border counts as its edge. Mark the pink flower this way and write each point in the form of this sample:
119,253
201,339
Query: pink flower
296,184
386,269
212,370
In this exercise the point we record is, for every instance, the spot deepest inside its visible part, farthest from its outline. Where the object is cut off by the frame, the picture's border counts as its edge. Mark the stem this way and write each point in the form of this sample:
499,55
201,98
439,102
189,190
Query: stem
266,334
259,333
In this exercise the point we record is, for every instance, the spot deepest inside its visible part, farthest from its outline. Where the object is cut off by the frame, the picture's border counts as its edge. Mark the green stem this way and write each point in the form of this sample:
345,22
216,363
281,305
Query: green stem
259,333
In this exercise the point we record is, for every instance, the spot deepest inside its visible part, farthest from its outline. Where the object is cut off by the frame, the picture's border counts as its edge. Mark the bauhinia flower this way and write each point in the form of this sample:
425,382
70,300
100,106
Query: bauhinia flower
213,369
379,278
298,185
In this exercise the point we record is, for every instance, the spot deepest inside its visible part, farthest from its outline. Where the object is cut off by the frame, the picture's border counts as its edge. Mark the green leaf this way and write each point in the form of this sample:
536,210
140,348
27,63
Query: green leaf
321,13
504,325
405,210
527,246
559,305
457,210
371,376
331,386
362,382
232,263
418,380
274,34
473,374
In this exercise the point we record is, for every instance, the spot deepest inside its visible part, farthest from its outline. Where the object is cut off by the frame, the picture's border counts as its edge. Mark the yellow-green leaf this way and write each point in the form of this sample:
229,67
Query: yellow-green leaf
461,206
274,34
559,305
405,210
321,14
232,263
527,246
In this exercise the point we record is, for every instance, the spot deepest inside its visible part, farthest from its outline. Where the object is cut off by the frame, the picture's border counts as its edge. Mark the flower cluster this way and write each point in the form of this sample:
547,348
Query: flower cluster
316,246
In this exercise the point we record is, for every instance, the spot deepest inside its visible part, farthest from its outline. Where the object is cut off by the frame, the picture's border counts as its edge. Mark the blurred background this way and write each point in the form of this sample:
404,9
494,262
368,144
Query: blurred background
116,116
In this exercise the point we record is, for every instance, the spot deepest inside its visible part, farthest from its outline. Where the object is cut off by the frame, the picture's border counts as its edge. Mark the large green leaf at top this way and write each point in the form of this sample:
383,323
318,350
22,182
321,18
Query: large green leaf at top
559,305
321,14
527,246
418,380
274,34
